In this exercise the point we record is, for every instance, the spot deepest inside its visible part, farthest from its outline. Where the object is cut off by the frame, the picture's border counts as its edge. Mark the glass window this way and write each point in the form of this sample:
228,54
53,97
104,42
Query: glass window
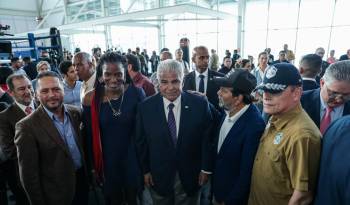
283,14
87,41
277,38
130,37
256,15
315,13
309,39
339,40
342,14
254,43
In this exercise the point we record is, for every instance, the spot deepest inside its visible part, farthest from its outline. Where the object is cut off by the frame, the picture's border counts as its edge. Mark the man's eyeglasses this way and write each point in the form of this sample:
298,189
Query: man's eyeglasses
333,95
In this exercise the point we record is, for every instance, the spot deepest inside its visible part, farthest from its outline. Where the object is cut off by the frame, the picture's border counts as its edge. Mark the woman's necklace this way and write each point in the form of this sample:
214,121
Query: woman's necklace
116,113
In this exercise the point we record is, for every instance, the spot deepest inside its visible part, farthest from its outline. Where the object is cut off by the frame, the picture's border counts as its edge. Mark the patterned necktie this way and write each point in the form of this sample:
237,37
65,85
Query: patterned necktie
201,84
326,120
28,110
172,123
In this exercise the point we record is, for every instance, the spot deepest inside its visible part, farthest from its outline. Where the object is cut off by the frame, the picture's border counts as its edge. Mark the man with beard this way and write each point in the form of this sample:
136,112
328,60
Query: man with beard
49,148
237,140
20,88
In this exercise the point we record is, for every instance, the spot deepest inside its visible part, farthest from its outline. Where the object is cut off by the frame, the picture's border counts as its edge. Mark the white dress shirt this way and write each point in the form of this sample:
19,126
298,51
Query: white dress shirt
185,67
205,73
311,79
228,123
176,110
23,107
87,86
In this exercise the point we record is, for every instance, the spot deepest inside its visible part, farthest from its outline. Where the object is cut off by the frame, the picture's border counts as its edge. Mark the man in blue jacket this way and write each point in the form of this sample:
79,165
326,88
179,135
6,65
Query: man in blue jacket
238,138
334,181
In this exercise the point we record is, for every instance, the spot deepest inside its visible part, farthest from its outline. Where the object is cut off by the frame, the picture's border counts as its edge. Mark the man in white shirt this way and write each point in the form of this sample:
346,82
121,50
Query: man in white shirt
238,138
178,55
84,64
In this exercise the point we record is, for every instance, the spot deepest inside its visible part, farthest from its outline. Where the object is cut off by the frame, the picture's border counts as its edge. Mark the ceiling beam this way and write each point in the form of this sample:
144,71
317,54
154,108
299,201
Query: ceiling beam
47,15
13,12
183,8
80,11
134,24
77,31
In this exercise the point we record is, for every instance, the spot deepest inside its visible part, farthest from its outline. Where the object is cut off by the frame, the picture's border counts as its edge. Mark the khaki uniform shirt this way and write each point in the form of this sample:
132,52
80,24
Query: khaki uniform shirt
287,159
214,62
290,55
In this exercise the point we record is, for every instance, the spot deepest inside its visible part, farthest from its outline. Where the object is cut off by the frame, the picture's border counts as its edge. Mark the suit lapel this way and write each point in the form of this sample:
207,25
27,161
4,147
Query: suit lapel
235,130
46,123
193,80
346,110
209,82
315,102
18,113
185,111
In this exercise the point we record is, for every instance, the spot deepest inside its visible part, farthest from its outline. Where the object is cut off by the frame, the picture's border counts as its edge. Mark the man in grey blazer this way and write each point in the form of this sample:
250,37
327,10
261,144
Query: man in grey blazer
49,148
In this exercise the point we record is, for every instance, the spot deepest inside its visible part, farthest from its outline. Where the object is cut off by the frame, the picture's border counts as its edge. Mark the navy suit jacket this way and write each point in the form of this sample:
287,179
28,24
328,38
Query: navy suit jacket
234,162
157,153
334,183
310,100
310,85
212,87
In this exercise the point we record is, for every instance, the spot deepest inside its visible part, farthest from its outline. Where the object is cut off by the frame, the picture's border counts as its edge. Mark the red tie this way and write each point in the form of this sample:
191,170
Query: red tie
28,110
326,120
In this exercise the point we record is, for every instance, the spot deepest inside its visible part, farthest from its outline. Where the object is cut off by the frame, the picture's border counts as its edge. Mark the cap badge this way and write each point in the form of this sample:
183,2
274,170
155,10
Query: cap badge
271,72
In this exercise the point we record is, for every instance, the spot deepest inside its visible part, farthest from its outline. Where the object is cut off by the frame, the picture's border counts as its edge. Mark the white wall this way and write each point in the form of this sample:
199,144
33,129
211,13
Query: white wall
18,24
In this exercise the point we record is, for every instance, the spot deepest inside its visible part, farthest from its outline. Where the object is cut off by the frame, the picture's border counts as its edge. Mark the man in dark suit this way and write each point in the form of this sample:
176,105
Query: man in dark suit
331,100
49,148
345,56
201,79
282,57
238,138
20,88
309,68
333,182
30,68
324,64
3,178
173,140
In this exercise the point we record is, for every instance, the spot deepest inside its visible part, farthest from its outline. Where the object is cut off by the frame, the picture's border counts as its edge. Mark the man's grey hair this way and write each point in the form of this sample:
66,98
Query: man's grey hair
170,65
41,63
85,56
10,78
178,50
338,71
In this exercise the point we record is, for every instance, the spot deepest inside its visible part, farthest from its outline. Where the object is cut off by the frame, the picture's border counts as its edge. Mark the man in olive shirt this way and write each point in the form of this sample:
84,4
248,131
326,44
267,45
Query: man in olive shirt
286,164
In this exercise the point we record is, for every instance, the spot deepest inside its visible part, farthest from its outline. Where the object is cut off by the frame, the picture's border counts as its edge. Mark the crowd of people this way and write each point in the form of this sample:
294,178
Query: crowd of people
127,128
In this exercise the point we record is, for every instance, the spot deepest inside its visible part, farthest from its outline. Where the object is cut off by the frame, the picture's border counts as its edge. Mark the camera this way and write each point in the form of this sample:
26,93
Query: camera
4,27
